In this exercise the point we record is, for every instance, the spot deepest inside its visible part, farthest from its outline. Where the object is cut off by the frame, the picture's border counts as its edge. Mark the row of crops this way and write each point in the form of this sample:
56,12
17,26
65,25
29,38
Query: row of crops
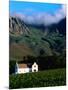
47,78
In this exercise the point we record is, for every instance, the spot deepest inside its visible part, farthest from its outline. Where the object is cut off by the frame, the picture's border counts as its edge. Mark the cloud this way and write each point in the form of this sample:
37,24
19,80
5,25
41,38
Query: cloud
19,15
44,18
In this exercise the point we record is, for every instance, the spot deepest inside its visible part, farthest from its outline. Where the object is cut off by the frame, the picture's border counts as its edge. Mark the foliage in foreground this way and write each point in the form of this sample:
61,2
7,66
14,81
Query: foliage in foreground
56,77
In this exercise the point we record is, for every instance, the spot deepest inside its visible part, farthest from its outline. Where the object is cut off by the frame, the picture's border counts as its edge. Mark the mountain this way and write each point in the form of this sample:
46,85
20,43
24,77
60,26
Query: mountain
17,26
61,27
30,39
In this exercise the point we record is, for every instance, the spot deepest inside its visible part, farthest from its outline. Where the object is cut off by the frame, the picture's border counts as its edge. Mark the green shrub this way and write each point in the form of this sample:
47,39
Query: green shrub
47,78
12,67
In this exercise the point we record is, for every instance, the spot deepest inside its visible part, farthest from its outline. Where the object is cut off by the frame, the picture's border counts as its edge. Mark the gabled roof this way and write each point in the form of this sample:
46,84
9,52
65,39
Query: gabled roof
25,65
22,65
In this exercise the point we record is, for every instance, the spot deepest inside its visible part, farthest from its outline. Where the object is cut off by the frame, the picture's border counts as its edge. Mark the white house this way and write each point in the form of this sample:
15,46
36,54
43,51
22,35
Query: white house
35,67
24,68
21,68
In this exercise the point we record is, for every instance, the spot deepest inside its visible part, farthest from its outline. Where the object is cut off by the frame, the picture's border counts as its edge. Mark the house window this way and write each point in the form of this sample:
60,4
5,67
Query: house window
34,70
34,66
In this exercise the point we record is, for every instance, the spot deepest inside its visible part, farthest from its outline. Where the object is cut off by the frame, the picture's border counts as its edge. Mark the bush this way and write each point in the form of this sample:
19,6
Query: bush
12,67
47,78
51,62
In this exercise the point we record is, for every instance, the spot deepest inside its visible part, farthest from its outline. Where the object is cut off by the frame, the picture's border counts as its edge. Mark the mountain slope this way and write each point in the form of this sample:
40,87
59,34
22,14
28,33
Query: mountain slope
30,40
17,26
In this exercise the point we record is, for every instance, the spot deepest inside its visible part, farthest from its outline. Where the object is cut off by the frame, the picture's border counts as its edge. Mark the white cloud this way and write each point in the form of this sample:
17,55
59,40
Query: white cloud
44,18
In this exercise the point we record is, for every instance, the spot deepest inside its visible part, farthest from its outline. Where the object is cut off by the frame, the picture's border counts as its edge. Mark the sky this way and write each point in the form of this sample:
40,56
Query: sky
37,13
30,7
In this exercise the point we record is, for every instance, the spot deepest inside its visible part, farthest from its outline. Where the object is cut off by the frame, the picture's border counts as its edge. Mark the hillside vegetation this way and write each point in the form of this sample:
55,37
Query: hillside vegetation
56,77
29,40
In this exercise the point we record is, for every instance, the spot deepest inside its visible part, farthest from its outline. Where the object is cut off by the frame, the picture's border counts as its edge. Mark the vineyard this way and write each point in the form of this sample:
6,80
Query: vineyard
55,77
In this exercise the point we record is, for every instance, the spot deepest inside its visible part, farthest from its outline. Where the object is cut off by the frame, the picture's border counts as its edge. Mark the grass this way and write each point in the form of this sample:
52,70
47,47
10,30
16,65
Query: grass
56,77
17,51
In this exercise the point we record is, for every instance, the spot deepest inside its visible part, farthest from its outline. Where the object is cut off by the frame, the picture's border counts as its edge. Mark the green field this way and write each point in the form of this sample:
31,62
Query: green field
55,77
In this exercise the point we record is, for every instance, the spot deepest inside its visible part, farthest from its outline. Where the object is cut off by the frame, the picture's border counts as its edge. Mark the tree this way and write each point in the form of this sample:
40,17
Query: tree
12,67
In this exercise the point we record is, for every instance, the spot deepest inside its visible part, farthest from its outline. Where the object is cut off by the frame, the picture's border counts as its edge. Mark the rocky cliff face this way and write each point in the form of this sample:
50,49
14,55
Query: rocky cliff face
17,26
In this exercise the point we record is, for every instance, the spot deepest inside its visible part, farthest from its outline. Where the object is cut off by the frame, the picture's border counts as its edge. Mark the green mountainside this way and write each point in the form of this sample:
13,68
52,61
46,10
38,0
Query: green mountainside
28,40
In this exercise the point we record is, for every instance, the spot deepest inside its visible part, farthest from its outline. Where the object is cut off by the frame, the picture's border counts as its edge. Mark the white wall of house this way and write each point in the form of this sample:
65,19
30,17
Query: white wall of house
23,70
34,67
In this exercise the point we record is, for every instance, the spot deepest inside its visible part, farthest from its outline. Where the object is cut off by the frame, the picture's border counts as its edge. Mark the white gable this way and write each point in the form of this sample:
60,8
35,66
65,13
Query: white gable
35,67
